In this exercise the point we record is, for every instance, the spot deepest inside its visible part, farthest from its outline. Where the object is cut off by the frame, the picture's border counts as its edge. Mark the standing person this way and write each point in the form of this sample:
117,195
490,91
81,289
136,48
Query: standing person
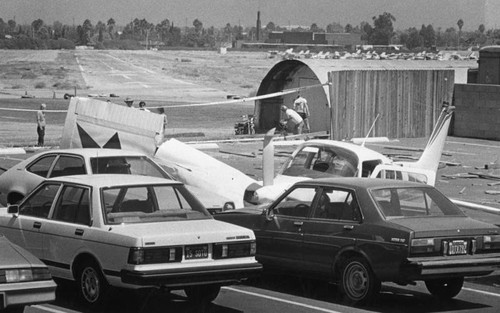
40,122
142,106
165,119
292,116
129,102
300,105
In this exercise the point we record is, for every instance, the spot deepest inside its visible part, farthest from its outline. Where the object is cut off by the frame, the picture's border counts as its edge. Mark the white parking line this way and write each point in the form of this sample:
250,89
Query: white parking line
481,291
281,300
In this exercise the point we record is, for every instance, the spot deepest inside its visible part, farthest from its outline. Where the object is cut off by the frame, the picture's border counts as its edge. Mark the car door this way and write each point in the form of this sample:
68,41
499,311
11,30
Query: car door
69,226
330,228
26,228
281,237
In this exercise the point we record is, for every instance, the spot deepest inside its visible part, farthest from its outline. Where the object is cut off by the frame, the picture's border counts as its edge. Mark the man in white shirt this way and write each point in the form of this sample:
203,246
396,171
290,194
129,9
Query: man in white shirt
301,107
294,117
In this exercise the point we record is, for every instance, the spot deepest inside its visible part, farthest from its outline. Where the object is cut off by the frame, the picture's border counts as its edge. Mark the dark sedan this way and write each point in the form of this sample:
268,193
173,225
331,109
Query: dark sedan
359,232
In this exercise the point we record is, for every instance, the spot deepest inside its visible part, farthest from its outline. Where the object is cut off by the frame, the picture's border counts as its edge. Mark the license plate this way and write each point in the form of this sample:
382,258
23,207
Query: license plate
457,247
196,252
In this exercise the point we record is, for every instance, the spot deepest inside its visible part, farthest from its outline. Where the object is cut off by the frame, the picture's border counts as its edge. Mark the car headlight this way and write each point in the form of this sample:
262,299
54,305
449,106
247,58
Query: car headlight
228,206
23,275
234,250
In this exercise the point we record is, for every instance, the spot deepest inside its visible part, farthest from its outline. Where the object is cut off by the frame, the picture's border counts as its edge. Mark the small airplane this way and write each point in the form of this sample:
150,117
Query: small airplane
331,158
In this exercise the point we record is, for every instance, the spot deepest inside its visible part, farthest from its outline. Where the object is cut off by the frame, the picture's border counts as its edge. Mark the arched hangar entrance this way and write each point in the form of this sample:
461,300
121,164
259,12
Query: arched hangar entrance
290,74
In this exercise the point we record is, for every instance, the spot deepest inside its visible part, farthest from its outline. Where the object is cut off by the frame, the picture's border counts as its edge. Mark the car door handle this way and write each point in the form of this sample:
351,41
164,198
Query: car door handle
348,227
79,232
298,224
37,225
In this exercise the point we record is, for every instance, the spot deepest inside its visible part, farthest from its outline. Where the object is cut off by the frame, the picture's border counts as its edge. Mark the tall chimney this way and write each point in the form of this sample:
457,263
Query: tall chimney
258,26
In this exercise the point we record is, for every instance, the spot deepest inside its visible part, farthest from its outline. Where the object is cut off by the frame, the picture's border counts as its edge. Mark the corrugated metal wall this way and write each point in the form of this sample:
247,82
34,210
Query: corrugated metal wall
408,101
478,111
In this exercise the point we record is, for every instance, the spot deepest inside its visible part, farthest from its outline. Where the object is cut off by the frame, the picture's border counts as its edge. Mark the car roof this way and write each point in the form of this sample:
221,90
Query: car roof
96,152
106,180
363,182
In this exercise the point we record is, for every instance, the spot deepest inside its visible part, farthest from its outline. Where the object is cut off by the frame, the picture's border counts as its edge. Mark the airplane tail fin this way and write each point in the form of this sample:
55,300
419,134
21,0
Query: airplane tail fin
429,160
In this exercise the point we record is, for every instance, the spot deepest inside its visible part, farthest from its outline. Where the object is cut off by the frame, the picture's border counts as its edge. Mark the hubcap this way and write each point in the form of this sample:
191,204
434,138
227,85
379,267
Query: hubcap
90,285
356,280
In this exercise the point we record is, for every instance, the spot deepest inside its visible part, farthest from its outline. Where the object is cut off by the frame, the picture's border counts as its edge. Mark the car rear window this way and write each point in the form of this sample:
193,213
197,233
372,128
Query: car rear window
413,202
150,203
135,165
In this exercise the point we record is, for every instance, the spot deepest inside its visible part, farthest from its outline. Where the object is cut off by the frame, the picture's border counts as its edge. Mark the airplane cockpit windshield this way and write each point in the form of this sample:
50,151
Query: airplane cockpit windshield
321,161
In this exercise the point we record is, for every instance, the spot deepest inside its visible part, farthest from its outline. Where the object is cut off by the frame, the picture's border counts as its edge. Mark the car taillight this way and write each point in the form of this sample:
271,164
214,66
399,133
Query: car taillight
41,274
234,250
23,275
425,245
491,242
154,255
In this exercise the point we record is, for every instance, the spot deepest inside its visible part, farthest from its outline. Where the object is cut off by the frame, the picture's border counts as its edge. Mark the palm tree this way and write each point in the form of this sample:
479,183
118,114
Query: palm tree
111,27
460,24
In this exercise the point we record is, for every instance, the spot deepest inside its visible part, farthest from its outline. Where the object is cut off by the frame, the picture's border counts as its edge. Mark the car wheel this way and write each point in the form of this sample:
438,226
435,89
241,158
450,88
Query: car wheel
203,293
92,285
358,284
446,288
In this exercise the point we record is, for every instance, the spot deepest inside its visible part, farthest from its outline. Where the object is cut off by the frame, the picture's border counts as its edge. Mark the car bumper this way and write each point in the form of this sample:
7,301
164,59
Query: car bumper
27,293
192,276
471,266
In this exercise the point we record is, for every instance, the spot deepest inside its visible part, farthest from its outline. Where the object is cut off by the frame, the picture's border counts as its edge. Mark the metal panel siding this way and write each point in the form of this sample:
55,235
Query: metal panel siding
408,101
478,111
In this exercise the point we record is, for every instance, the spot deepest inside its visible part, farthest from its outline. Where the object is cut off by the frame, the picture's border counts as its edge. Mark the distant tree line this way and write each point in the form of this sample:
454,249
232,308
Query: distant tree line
139,33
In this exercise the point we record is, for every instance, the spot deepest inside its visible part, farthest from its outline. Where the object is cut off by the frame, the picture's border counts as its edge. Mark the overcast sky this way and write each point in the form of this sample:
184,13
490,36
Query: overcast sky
408,13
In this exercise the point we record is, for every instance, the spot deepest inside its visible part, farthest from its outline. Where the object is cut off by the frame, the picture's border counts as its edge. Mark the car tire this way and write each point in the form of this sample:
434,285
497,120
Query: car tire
446,288
358,283
92,286
202,293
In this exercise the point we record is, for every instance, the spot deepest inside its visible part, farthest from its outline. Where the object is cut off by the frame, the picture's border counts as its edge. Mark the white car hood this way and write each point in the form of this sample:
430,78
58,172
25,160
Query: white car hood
183,232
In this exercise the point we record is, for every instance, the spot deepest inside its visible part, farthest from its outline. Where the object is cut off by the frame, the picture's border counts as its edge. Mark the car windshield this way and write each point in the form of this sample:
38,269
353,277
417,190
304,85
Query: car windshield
413,202
150,203
136,165
321,161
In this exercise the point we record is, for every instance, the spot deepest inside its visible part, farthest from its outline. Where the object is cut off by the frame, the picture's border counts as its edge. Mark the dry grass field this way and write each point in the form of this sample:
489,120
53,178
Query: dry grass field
158,77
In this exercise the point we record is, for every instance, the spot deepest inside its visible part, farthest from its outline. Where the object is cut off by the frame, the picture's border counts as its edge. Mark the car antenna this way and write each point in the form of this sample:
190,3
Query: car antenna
369,131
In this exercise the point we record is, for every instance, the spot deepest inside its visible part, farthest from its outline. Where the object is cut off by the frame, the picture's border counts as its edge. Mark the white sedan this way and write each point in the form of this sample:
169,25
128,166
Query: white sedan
20,179
129,231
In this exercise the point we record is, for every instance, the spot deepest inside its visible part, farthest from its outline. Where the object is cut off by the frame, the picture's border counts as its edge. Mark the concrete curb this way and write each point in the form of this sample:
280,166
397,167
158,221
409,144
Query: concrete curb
5,151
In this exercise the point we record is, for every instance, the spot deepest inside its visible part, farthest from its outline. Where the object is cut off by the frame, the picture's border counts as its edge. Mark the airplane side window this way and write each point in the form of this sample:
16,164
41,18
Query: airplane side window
368,167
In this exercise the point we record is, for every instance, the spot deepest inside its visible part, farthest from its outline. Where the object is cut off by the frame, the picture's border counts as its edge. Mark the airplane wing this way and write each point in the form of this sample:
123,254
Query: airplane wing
196,168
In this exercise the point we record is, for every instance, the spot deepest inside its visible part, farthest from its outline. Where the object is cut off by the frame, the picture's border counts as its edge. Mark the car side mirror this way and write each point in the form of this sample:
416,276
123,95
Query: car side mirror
269,214
13,209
